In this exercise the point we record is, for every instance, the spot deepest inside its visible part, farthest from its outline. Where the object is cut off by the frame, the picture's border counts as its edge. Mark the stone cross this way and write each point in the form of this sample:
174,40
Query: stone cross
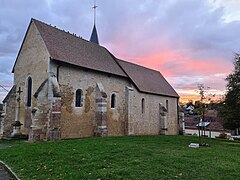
19,93
17,124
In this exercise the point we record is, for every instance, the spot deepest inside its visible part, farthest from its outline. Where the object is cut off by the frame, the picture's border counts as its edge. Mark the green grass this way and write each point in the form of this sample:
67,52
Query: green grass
142,157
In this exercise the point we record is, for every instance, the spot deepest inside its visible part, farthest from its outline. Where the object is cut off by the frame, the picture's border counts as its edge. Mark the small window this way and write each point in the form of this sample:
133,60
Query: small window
79,94
58,69
167,105
143,105
29,92
113,101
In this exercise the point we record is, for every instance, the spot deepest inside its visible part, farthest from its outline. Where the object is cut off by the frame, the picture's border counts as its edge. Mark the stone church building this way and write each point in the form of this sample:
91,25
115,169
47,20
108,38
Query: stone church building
68,87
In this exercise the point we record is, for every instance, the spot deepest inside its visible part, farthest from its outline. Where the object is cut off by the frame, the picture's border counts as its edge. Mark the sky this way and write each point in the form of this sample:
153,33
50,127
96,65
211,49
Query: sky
188,41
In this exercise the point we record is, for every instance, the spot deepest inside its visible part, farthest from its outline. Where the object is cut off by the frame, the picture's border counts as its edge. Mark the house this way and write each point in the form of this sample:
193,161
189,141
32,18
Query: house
212,124
68,87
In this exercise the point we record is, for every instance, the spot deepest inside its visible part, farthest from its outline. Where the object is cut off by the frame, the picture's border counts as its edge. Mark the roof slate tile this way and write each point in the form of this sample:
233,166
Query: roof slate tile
147,80
69,48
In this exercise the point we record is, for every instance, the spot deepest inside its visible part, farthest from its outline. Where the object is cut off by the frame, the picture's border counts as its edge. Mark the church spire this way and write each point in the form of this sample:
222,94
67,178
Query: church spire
94,36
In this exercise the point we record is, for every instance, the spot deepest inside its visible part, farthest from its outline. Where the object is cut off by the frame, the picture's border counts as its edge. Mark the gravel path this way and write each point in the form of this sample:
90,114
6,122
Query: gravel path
5,171
3,174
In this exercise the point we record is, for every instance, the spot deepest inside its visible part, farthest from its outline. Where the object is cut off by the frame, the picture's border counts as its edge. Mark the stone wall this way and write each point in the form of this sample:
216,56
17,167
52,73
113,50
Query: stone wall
79,122
148,122
32,62
54,123
9,116
46,114
125,119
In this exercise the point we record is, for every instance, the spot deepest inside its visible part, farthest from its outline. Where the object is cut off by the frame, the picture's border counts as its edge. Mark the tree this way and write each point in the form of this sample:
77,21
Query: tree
205,99
202,106
197,104
230,111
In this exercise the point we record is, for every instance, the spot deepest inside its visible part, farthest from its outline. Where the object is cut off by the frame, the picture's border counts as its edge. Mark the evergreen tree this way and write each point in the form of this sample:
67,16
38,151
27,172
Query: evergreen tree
230,110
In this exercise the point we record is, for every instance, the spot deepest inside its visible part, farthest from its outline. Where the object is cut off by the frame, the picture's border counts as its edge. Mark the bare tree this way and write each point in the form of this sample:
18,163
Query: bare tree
205,97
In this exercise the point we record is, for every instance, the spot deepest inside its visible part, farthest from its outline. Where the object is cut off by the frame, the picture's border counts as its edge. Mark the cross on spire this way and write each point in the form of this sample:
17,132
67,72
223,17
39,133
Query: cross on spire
94,9
94,36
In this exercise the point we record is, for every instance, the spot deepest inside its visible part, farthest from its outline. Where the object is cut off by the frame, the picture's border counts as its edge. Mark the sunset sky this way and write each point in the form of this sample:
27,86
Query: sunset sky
188,41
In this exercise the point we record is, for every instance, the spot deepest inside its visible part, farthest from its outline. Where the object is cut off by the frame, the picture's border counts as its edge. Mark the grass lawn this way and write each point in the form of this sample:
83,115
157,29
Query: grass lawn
140,157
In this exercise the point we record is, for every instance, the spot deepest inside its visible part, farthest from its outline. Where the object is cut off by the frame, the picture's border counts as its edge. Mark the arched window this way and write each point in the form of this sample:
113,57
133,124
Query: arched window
29,92
143,105
58,69
78,102
113,101
167,105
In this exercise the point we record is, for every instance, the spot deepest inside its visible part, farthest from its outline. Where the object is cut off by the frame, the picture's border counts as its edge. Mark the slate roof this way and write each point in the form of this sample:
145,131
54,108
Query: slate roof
94,36
147,80
65,47
11,92
71,49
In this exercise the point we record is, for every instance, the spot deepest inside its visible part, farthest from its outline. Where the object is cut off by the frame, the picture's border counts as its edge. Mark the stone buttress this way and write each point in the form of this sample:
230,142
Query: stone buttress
47,113
101,111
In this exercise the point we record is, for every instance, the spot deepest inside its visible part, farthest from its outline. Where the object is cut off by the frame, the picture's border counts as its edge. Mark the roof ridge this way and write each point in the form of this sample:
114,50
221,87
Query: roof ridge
62,30
138,65
55,27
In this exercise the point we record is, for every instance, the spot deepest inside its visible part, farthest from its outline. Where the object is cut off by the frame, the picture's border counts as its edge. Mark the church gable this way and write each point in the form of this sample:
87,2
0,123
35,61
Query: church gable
33,49
30,70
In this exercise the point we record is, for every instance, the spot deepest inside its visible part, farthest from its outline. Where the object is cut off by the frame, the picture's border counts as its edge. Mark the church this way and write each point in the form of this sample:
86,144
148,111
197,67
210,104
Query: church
68,87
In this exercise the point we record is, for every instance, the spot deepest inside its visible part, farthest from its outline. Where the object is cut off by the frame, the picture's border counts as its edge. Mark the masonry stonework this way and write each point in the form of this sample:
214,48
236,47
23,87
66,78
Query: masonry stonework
79,122
9,115
149,122
32,61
